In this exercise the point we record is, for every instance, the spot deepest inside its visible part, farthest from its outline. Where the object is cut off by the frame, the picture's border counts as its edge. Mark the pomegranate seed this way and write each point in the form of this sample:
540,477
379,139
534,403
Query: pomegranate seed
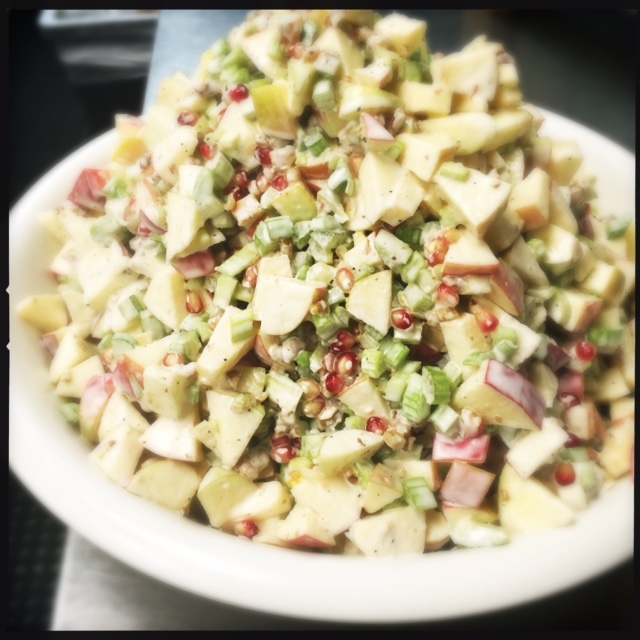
565,474
334,383
206,151
263,155
297,50
438,249
586,351
424,353
401,319
343,342
250,277
346,363
240,179
246,528
188,118
447,295
310,387
279,183
239,93
485,320
573,441
376,425
568,400
345,279
172,358
194,303
282,449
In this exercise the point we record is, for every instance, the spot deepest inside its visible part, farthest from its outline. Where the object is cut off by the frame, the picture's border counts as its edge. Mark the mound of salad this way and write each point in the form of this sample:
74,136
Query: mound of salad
335,292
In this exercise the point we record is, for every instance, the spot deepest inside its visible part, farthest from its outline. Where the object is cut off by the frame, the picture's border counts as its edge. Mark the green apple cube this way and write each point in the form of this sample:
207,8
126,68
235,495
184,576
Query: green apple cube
272,111
341,449
259,47
221,354
400,33
301,76
72,350
184,220
337,41
283,391
117,412
525,504
424,152
530,199
431,100
566,159
470,131
46,312
383,488
220,491
118,455
171,152
521,258
295,202
236,136
510,124
468,72
166,297
173,438
478,200
355,98
303,527
272,499
370,300
334,500
395,532
462,336
169,483
165,389
560,212
365,400
537,447
605,281
73,382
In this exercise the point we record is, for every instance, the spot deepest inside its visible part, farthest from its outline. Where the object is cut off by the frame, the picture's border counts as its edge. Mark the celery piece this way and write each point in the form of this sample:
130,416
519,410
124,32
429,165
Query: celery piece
364,471
243,294
418,494
448,217
240,260
320,254
303,360
323,95
372,363
437,385
225,289
121,343
326,326
315,361
415,299
414,403
617,228
587,475
264,243
105,343
455,171
395,150
116,188
335,295
396,386
302,272
444,418
504,350
301,259
309,32
105,230
476,358
189,346
221,171
204,331
410,235
302,233
152,325
392,251
395,353
427,281
576,454
409,70
413,335
193,393
316,143
538,247
454,373
340,178
410,271
279,227
605,337
70,412
363,270
355,422
128,309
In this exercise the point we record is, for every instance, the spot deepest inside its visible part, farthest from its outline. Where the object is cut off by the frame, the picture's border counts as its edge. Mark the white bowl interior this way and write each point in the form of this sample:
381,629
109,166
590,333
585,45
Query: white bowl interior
52,461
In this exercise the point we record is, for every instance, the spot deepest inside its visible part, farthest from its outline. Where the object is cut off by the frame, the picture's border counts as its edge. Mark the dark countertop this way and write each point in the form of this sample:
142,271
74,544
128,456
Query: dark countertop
579,65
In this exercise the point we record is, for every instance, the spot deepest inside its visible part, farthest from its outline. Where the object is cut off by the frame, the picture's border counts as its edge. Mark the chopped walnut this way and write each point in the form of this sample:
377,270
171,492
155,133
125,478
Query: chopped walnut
252,463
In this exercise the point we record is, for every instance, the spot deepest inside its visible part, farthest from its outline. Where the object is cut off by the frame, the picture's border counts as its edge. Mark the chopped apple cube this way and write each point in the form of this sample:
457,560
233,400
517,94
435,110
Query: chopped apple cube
530,199
370,300
432,100
341,449
46,312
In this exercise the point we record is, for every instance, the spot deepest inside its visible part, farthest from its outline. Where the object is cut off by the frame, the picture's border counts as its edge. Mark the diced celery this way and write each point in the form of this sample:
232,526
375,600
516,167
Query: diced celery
455,171
128,309
105,230
323,95
504,350
372,363
437,384
121,343
152,325
395,353
396,386
476,358
309,32
221,170
116,188
410,271
418,494
188,346
363,270
454,373
538,247
240,260
355,422
410,71
606,337
301,274
339,179
414,403
302,233
320,254
395,150
364,471
315,361
448,217
335,295
576,454
316,143
617,228
415,299
303,360
193,393
70,412
427,281
444,418
225,290
243,294
412,335
410,235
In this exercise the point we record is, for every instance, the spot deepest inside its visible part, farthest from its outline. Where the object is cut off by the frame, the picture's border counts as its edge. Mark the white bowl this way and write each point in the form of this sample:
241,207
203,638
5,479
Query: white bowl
52,461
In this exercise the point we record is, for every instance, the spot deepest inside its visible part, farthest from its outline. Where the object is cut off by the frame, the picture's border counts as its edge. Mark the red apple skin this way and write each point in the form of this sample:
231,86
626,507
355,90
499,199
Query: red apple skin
375,131
87,190
315,171
95,396
452,269
556,357
309,541
588,316
572,382
465,485
517,388
507,290
468,450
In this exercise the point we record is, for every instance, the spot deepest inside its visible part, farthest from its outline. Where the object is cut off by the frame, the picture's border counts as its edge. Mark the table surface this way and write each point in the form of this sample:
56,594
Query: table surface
569,65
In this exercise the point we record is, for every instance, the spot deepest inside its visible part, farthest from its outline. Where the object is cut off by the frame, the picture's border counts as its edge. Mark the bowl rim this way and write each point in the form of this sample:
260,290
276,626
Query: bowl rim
231,570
